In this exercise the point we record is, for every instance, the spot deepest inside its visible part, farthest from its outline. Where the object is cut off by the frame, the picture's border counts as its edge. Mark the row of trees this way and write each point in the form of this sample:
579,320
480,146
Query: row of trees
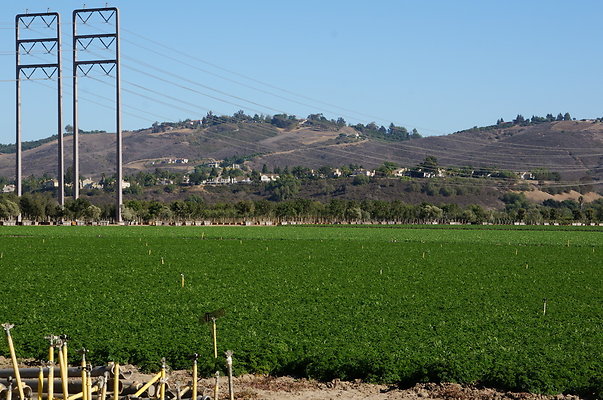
517,209
316,121
521,120
39,207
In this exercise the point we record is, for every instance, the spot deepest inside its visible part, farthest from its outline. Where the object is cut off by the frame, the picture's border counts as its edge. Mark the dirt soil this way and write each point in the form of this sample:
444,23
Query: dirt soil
260,387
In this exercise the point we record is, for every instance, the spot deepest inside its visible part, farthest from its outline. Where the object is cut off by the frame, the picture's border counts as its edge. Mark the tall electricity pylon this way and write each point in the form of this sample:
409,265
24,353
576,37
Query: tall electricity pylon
25,47
108,40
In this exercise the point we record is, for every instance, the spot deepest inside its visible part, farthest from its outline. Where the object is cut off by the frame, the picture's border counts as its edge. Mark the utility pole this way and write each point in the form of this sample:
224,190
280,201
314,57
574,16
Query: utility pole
51,20
108,40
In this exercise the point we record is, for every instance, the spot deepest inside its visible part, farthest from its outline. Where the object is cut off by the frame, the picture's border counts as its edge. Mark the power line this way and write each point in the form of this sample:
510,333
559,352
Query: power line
257,80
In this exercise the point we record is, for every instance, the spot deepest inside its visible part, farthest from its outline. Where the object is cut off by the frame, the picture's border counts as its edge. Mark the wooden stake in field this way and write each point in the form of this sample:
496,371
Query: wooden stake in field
544,307
181,277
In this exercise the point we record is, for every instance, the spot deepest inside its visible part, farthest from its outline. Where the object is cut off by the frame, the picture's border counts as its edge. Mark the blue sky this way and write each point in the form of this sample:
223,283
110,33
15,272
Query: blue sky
439,66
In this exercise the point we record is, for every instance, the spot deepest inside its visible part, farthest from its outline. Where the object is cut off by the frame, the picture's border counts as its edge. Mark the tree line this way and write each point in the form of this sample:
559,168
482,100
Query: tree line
40,207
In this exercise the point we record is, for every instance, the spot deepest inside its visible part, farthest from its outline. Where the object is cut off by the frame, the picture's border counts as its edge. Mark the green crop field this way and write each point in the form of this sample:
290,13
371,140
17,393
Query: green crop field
388,304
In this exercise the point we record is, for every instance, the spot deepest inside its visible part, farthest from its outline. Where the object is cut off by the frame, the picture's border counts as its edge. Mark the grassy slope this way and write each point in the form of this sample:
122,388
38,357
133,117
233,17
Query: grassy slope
376,303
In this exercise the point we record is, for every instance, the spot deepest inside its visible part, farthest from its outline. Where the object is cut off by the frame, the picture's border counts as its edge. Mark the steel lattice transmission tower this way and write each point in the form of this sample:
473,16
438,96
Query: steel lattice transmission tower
108,40
25,47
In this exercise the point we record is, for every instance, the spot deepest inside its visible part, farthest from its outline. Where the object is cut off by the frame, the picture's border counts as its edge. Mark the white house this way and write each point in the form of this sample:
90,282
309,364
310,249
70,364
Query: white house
364,172
399,171
268,177
88,183
213,164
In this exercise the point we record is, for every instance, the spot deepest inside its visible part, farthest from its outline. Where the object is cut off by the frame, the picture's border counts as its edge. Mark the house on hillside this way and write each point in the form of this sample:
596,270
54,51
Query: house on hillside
363,172
88,183
212,164
268,177
220,181
418,173
8,188
399,172
526,175
194,123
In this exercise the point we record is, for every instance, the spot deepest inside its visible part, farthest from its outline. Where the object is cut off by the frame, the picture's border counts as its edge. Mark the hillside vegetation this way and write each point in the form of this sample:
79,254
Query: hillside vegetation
570,148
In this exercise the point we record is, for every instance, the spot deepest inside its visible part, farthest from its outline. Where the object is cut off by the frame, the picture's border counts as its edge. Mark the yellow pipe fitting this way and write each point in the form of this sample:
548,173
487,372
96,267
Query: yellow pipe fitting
215,337
50,379
105,381
147,385
116,381
40,383
63,368
84,375
65,353
216,384
162,383
89,384
80,395
194,396
13,357
184,391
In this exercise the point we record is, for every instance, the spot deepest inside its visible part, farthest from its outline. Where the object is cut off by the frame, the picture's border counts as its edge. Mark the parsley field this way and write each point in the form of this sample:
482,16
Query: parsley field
387,304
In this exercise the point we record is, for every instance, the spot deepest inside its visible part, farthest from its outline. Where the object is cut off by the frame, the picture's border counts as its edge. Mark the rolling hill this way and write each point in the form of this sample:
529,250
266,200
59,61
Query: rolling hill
572,148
